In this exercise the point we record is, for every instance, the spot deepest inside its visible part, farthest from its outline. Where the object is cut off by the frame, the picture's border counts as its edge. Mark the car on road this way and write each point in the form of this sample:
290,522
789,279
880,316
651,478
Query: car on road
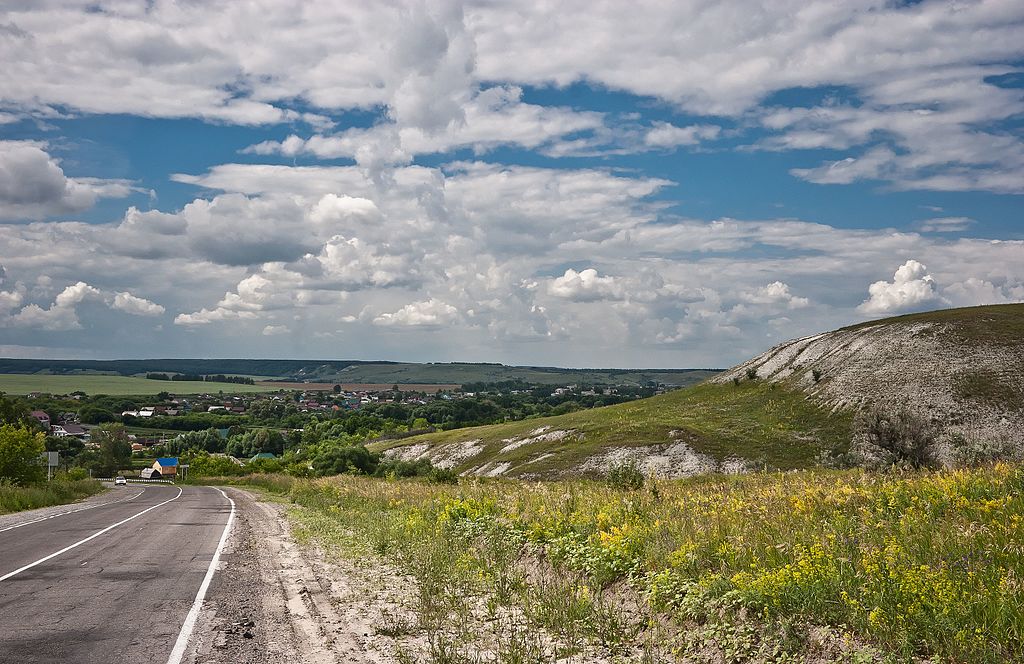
119,480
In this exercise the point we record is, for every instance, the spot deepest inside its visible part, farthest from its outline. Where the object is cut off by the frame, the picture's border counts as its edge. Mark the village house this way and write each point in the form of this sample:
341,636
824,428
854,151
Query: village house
73,430
166,467
43,418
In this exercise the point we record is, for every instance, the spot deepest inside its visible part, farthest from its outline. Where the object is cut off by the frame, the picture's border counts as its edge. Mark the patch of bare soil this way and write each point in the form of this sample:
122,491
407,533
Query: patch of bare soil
276,601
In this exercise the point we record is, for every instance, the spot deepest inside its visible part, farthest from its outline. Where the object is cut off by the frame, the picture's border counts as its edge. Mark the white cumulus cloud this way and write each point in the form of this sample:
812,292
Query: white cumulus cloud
426,313
911,287
275,330
138,306
585,286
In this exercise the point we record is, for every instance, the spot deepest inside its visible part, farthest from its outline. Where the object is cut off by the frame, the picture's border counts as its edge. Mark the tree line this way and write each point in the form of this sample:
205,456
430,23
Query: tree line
208,378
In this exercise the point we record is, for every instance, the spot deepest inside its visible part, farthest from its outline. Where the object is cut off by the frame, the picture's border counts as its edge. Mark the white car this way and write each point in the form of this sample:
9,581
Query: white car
119,480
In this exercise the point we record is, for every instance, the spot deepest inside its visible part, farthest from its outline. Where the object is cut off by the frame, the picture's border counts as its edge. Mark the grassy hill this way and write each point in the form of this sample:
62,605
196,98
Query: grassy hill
962,369
696,429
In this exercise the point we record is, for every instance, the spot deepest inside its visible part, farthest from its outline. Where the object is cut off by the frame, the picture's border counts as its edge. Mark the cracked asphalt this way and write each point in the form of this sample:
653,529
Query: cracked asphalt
119,597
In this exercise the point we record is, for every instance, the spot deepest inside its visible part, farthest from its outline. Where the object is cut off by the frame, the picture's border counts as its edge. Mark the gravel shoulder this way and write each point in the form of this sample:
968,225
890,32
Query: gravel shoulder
273,600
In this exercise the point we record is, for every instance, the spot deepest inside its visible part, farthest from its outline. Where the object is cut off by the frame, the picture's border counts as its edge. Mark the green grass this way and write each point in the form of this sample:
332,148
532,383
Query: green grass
818,565
92,384
764,423
57,492
999,324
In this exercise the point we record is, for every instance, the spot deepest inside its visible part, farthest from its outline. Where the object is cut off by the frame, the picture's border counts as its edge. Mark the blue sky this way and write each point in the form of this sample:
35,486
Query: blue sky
675,185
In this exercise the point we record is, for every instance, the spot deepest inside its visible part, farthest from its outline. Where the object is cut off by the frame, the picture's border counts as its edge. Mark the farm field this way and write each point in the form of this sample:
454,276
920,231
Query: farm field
820,565
54,384
462,373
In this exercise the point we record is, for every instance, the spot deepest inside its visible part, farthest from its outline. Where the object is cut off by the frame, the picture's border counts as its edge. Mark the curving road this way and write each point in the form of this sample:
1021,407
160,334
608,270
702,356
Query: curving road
113,583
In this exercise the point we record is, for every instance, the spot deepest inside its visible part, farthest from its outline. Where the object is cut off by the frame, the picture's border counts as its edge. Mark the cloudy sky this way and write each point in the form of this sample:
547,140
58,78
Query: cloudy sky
569,183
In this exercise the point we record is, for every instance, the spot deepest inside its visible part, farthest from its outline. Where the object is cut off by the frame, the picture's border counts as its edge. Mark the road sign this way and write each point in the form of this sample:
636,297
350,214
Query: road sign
52,461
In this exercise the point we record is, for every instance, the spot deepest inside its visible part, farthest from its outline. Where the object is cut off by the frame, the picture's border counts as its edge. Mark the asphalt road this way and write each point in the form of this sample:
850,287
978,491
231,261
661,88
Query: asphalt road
121,596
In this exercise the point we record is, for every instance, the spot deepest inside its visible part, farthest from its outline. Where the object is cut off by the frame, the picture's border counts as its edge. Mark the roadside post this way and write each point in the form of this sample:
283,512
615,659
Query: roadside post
52,461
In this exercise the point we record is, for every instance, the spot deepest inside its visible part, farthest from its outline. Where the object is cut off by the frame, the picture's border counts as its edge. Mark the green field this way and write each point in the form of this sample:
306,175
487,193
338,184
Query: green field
462,373
26,383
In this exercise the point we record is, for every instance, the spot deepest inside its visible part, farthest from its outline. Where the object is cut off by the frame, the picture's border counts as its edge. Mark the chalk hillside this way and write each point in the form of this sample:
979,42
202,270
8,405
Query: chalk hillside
963,369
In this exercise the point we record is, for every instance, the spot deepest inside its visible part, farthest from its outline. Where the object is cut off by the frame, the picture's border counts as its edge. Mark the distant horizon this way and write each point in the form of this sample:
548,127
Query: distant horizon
321,359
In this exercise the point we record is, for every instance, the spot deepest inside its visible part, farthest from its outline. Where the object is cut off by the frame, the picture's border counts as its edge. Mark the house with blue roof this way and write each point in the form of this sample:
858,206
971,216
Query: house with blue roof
166,466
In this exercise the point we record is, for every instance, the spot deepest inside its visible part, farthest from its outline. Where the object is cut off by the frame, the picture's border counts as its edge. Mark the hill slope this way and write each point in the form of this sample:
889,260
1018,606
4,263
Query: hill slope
962,368
693,430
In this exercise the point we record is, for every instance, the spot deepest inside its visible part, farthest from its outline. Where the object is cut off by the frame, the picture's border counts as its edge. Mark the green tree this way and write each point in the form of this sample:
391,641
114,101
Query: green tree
68,447
254,441
95,415
207,465
14,411
334,459
21,450
208,440
115,447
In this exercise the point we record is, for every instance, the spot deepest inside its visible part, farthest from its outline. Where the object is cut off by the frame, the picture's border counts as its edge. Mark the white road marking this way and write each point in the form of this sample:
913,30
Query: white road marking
54,516
193,614
87,539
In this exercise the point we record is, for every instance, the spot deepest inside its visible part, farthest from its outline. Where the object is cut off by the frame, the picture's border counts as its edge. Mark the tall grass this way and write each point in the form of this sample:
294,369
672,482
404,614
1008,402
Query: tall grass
922,564
58,492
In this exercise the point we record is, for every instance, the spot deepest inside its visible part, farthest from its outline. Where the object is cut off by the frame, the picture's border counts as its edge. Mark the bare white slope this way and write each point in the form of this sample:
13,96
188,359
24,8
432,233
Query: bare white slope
917,365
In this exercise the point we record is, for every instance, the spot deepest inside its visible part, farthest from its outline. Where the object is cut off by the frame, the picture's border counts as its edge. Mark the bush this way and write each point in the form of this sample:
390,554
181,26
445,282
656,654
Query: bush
337,459
626,475
900,439
816,374
980,451
399,469
20,452
751,373
442,476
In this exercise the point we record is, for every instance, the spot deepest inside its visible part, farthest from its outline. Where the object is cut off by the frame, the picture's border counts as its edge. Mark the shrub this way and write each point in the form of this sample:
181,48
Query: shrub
751,373
901,439
442,476
626,475
399,468
335,459
976,451
816,374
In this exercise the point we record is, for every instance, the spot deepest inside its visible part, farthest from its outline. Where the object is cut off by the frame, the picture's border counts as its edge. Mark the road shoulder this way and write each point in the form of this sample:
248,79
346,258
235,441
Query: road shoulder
276,601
